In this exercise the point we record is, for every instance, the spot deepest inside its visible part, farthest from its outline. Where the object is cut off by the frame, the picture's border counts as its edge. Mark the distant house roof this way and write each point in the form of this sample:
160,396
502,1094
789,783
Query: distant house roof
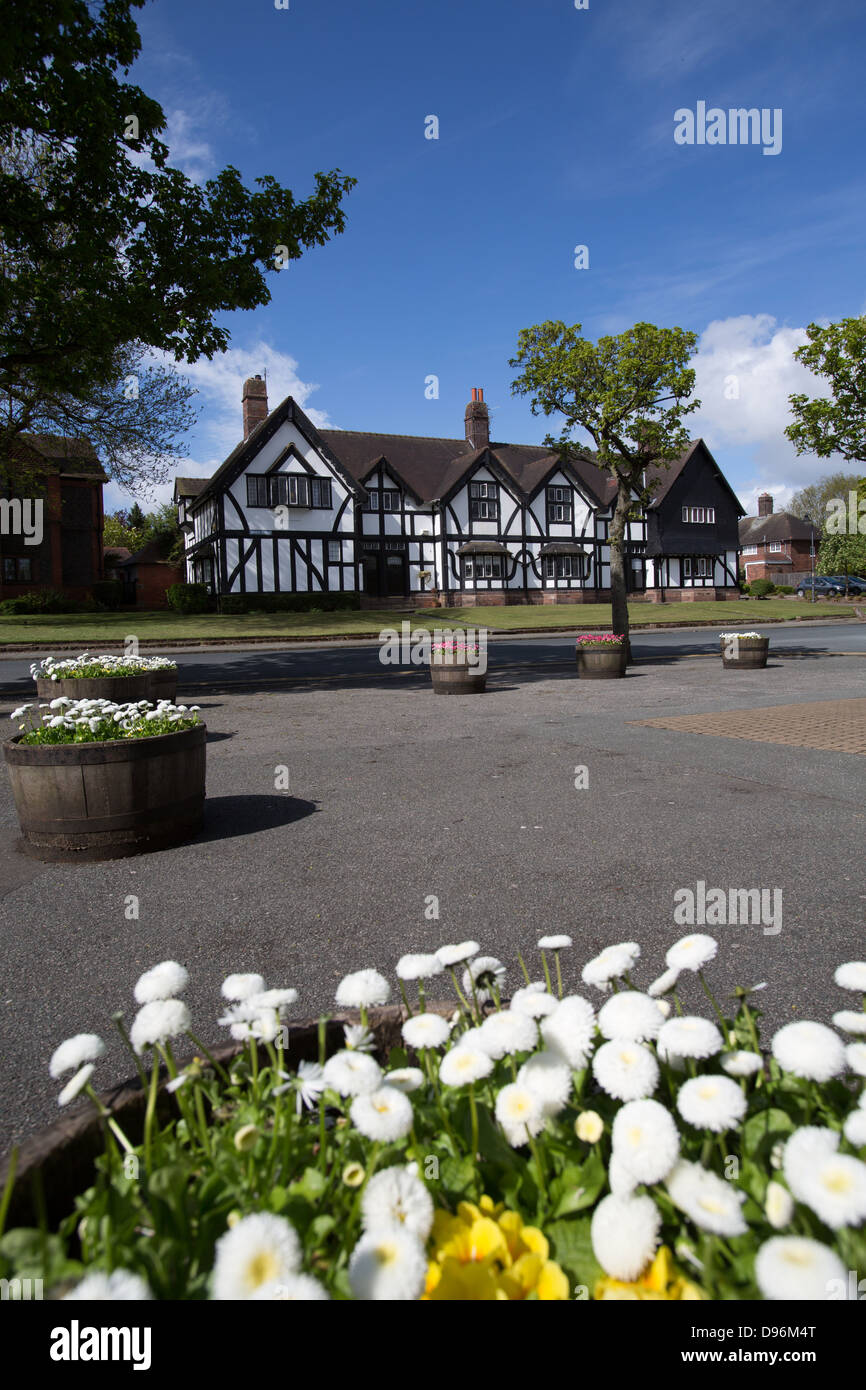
189,487
116,552
74,457
778,526
151,554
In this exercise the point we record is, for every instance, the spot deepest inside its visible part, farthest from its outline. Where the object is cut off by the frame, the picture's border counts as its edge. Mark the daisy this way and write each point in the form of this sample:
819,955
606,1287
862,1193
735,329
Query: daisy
519,1112
352,1073
164,981
645,1140
854,1128
809,1049
855,1056
458,955
464,1064
301,1288
504,1033
711,1102
388,1266
707,1200
383,1116
426,1030
260,1249
363,989
280,1000
835,1189
549,1077
625,1235
621,1180
794,1267
484,973
630,1015
689,1037
405,1079
852,975
741,1063
554,943
613,962
155,1023
664,984
76,1085
778,1205
570,1030
803,1152
850,1021
419,967
74,1052
692,952
309,1085
626,1070
397,1197
534,1000
357,1038
589,1126
119,1286
241,986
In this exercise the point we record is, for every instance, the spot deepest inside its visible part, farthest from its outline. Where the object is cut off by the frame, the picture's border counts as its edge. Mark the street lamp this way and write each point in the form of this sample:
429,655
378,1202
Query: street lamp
808,521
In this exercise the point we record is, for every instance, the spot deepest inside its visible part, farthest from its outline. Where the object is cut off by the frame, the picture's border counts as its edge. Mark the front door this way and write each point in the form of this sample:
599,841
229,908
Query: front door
370,562
385,573
395,574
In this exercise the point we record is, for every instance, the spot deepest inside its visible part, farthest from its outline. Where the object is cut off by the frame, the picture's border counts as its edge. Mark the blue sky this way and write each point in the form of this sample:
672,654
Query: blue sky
556,129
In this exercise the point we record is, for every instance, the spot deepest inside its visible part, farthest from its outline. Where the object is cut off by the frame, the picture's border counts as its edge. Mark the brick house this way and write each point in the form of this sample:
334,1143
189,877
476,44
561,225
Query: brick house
65,554
774,545
147,574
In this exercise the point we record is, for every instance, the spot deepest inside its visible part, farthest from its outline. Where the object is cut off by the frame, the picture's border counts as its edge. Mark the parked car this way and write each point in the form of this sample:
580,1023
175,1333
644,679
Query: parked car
823,586
856,585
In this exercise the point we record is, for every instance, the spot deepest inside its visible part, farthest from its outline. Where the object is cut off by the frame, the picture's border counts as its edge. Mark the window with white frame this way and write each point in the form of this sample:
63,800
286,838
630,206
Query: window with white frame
701,516
482,567
701,567
559,504
563,566
484,501
750,550
775,546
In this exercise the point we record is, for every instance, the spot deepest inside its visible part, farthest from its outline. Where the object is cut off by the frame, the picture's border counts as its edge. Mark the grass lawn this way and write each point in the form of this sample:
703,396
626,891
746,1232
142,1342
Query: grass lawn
86,629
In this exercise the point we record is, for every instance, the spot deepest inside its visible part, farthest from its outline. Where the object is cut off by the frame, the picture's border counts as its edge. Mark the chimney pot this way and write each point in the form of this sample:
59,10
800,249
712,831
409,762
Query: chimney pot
765,504
255,403
477,420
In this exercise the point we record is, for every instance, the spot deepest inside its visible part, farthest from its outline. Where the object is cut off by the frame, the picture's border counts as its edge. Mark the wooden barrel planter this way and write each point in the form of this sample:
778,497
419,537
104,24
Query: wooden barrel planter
84,802
123,690
751,654
457,679
601,663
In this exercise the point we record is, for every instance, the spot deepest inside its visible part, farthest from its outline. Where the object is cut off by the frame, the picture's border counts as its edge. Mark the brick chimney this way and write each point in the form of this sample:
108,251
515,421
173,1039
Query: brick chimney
255,403
765,504
477,420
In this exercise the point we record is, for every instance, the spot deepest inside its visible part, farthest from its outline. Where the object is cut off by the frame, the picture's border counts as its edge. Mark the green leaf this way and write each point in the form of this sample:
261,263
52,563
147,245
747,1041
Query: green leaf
572,1249
578,1187
310,1186
397,1057
321,1227
457,1176
278,1198
762,1131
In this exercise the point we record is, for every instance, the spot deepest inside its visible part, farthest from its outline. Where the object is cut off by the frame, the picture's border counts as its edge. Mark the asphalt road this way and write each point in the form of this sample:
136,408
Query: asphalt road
400,801
332,664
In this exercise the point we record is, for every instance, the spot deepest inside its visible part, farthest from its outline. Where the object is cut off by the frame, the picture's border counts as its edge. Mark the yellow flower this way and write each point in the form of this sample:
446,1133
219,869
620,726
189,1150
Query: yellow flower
485,1253
660,1282
589,1126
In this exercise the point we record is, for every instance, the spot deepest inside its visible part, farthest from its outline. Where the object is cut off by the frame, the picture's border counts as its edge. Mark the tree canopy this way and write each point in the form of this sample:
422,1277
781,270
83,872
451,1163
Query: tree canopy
834,424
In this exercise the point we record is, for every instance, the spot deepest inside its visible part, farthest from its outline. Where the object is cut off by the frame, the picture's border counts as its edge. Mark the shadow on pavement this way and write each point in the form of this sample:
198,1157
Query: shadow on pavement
228,817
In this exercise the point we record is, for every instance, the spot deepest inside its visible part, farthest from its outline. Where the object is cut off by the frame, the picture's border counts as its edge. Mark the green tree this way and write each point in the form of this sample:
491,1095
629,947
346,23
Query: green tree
630,393
109,245
834,424
842,554
812,500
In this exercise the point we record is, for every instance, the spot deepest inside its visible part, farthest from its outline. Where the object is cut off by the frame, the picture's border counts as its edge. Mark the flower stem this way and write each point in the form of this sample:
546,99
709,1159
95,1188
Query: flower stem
473,1111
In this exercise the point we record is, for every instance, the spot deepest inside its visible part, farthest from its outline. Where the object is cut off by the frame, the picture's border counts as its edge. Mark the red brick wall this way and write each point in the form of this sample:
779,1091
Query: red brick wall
153,580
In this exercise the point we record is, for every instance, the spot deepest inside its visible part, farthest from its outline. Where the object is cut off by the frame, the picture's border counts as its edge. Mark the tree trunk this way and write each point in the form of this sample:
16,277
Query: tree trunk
616,538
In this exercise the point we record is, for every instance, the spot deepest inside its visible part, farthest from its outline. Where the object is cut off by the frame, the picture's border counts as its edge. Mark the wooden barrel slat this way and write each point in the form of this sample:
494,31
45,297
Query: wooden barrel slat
150,685
449,679
600,663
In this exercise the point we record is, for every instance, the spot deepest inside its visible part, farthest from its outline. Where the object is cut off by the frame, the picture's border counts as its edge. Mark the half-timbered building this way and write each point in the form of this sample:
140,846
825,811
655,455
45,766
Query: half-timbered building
402,520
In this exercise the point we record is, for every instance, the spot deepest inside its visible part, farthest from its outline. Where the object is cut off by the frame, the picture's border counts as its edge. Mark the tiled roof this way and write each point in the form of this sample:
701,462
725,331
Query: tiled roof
778,526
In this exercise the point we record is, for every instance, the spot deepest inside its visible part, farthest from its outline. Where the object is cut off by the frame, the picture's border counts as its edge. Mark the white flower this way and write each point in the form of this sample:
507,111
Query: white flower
504,1033
707,1200
855,1056
778,1205
519,1112
610,964
570,1030
809,1049
711,1102
157,1022
388,1266
664,984
621,1180
589,1126
549,1077
692,952
74,1052
405,1079
164,981
309,1084
630,1015
534,1000
794,1267
741,1063
554,943
689,1037
352,1073
397,1197
419,967
854,1128
280,1000
665,1007
645,1140
626,1070
242,986
804,1152
382,1116
458,955
835,1189
426,1030
464,1064
76,1085
852,975
357,1038
484,972
118,1287
850,1021
300,1288
260,1249
625,1235
362,989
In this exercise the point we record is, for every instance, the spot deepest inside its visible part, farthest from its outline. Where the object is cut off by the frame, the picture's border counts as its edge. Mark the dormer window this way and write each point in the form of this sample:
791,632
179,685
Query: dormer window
701,516
559,504
484,501
287,490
